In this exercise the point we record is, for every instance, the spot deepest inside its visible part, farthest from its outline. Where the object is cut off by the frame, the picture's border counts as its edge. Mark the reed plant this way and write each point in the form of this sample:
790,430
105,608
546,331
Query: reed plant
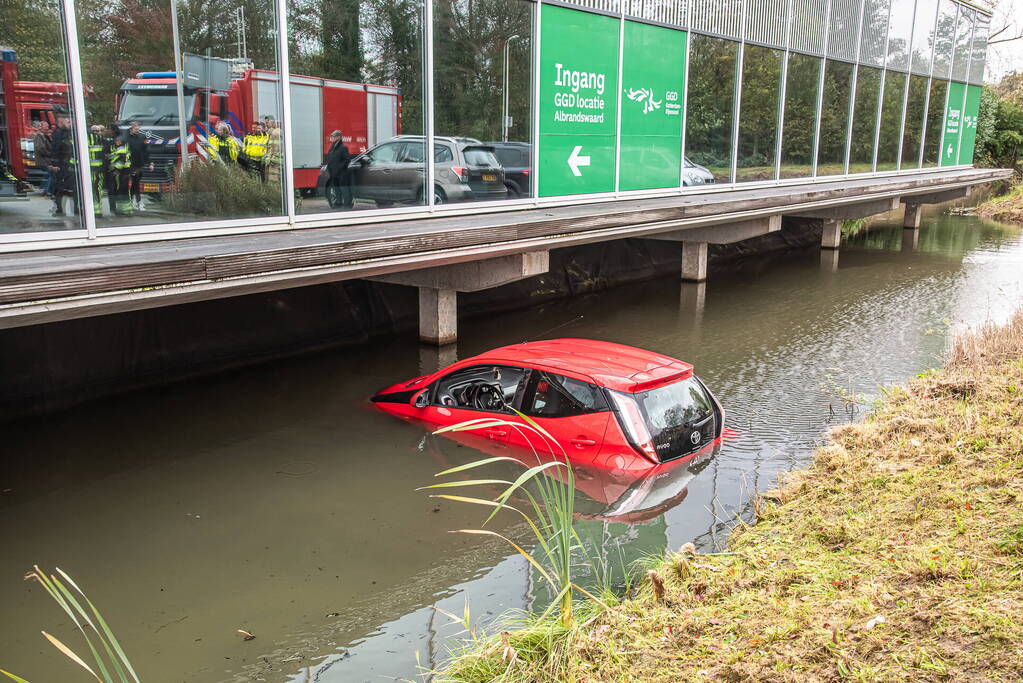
110,664
549,490
215,189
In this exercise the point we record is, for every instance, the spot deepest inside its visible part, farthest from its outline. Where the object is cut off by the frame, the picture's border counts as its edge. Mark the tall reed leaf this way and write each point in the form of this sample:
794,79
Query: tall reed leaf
114,667
552,521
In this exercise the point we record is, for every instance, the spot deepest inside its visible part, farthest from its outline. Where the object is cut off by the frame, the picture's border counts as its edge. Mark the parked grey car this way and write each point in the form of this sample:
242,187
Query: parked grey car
694,174
393,171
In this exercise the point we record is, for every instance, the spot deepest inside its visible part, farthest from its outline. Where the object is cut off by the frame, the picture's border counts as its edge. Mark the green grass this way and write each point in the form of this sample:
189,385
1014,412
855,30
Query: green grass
1006,208
896,555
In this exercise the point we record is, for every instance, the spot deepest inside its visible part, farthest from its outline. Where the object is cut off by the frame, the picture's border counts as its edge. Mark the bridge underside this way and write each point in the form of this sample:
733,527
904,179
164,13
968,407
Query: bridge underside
440,255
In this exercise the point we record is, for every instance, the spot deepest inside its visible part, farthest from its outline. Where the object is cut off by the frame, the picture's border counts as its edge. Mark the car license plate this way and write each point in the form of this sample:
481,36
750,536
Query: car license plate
150,187
489,177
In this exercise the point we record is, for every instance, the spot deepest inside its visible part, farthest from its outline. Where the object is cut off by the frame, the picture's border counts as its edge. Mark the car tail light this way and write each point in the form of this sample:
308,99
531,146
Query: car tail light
462,172
525,171
633,425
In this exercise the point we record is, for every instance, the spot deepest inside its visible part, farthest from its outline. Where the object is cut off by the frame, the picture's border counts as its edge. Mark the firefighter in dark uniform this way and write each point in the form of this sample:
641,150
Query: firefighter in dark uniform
97,168
118,173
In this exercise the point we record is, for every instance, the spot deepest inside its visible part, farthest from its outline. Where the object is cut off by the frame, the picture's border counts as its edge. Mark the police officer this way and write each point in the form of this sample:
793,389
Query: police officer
223,146
254,147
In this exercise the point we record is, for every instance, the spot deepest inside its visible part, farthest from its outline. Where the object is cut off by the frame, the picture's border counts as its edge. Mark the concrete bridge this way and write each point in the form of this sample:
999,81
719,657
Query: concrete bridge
444,255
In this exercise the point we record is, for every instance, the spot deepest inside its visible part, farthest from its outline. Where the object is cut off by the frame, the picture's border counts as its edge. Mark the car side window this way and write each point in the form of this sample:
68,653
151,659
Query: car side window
551,395
442,153
480,387
386,154
413,153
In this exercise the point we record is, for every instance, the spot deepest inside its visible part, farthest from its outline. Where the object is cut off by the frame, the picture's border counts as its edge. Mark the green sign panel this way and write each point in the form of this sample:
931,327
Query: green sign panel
578,101
953,124
969,136
653,74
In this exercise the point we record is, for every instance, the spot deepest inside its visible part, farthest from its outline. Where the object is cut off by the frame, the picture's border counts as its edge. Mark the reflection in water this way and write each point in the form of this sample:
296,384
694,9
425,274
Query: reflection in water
277,501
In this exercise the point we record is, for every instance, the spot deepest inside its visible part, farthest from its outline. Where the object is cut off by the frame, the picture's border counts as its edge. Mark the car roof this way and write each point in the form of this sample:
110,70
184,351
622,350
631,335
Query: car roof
615,366
442,138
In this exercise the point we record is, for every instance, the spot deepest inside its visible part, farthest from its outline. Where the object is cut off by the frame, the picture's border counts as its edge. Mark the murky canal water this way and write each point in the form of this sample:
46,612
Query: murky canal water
275,500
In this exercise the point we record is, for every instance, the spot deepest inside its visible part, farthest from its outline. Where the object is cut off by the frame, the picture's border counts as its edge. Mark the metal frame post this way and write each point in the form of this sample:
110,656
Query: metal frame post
685,97
930,81
820,90
534,152
737,94
284,60
880,96
78,117
905,94
428,102
780,118
853,89
618,97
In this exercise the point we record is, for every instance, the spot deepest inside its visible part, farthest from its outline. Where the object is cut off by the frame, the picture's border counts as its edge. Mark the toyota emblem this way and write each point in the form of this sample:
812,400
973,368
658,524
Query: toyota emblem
695,438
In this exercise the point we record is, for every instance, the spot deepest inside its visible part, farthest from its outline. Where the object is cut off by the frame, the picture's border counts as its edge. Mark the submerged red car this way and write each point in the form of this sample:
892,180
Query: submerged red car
608,405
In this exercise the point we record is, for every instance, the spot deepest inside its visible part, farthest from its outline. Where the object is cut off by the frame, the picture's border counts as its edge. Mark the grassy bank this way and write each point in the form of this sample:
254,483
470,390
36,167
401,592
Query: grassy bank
1007,208
897,555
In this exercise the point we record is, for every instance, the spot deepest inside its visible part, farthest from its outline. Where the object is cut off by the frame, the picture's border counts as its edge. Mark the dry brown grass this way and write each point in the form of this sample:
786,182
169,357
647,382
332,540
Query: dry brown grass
1007,208
897,555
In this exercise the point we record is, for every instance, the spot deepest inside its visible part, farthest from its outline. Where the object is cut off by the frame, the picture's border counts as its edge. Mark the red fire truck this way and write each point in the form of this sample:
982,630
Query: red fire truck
21,103
241,95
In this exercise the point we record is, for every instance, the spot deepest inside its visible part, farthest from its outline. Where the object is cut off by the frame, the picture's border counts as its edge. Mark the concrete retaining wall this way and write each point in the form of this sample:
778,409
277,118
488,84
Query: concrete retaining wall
58,365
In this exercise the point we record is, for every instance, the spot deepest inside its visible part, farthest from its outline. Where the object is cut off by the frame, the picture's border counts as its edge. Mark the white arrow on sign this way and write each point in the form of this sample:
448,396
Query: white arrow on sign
950,150
575,160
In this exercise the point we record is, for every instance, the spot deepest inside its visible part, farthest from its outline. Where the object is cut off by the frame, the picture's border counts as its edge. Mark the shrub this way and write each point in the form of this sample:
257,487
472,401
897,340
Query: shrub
223,190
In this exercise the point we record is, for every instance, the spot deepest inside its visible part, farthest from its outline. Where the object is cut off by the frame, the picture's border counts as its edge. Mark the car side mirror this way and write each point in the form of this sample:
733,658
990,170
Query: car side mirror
422,399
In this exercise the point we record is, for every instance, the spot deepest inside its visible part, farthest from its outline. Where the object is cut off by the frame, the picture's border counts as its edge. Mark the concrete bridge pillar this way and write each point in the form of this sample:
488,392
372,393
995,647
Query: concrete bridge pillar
829,260
438,316
695,240
910,239
911,216
694,261
439,287
831,237
691,302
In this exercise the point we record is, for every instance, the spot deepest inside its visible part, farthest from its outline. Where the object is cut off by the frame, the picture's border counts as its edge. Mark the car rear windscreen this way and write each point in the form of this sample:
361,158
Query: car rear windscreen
479,156
679,416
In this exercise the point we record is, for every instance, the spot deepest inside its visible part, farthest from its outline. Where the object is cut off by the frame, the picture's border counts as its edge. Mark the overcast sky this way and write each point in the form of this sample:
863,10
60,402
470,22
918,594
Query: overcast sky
1004,58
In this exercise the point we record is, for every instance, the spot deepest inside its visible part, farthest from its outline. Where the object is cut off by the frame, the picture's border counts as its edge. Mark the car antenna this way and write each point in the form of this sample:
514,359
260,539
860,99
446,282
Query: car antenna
556,327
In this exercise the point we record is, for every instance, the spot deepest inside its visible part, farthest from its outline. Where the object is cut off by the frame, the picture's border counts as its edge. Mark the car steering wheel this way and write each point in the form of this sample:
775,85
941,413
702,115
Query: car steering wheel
488,397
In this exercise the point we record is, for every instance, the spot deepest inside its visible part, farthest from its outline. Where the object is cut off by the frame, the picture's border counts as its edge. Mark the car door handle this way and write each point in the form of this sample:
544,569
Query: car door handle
496,433
582,442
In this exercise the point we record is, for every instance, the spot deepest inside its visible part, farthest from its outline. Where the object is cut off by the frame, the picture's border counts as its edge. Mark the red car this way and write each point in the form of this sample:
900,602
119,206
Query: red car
610,406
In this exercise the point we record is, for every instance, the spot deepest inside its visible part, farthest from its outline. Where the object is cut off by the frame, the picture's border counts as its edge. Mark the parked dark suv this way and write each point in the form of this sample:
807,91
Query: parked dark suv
516,159
393,171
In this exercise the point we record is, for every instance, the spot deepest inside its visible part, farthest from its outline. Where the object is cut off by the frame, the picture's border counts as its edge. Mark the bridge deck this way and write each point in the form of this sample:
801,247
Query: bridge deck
58,284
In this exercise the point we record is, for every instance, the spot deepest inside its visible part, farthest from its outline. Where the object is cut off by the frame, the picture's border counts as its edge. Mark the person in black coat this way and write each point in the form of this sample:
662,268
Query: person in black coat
62,152
136,140
338,177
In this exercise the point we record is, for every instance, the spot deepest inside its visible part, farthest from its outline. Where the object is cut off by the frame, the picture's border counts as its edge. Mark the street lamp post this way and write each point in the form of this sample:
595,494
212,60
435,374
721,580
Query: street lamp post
504,118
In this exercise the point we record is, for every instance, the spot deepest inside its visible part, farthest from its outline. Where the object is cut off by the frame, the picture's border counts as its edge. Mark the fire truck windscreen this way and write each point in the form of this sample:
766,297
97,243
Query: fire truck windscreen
153,108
